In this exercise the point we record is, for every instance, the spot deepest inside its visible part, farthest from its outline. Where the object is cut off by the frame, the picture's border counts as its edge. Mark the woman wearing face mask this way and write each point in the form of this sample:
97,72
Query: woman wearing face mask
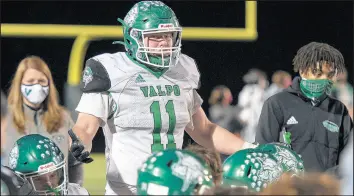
316,125
35,109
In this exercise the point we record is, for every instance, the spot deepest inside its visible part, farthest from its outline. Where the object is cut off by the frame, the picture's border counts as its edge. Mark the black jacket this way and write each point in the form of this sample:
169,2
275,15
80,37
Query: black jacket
318,132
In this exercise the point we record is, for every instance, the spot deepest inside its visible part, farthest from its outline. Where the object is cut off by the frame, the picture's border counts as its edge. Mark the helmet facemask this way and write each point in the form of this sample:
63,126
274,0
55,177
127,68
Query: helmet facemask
50,179
163,57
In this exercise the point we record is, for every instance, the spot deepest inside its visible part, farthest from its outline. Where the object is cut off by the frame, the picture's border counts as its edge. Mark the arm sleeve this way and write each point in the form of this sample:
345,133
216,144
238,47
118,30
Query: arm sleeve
346,129
197,102
96,104
270,123
76,174
69,121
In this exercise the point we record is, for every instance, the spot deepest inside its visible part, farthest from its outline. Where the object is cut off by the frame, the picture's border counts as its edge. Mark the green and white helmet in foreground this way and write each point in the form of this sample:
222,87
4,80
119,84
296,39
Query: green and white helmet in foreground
290,161
251,169
174,172
40,161
147,18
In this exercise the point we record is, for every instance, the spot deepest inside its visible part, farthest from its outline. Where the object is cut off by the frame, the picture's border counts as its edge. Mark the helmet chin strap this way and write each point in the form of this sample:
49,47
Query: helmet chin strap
54,190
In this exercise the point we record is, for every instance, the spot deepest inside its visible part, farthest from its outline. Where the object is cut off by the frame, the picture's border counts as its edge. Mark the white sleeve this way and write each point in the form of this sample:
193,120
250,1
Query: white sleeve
75,189
197,102
96,104
244,97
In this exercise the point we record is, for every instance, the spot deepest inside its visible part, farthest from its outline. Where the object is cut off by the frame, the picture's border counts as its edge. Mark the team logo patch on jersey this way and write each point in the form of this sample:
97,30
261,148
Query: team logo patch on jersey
88,76
139,79
114,108
330,126
292,121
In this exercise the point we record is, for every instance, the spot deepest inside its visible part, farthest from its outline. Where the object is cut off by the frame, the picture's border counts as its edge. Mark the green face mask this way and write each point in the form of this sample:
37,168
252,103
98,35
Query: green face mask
314,89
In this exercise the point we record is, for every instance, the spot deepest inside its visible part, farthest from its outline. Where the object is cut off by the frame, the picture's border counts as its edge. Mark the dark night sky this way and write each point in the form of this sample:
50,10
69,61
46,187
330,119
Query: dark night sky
283,27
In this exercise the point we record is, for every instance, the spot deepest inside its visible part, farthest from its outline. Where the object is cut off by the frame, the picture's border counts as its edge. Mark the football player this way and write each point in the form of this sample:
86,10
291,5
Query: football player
144,99
40,161
11,183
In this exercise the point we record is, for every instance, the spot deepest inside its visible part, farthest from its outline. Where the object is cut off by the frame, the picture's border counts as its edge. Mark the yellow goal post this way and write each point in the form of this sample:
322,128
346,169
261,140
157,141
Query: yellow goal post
86,33
83,34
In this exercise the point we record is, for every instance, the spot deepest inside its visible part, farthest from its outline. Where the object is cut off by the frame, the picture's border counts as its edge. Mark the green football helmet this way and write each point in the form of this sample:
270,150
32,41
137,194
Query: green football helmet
251,169
147,18
40,161
174,172
290,161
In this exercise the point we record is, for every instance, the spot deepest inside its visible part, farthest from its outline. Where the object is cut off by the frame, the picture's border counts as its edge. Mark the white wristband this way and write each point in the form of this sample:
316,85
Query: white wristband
248,145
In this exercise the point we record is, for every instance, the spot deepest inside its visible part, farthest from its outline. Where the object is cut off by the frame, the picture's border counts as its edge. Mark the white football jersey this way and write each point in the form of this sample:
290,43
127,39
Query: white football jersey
75,189
141,113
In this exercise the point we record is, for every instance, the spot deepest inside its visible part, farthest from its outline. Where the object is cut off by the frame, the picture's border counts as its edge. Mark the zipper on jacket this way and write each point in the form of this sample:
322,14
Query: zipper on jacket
35,118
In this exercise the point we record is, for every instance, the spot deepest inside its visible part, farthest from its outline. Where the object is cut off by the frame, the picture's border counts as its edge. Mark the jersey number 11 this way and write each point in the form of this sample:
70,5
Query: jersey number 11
156,137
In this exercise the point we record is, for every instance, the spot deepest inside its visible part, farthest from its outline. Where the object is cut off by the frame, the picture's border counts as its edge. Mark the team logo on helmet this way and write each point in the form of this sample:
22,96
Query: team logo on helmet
187,168
270,170
131,16
285,157
13,157
165,26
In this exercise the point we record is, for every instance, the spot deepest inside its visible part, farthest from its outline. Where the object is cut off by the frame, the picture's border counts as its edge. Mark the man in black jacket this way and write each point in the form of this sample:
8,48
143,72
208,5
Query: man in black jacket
317,126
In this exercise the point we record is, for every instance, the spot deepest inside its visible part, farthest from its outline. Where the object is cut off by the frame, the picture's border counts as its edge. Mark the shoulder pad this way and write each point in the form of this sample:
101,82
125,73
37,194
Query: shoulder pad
106,72
192,70
95,77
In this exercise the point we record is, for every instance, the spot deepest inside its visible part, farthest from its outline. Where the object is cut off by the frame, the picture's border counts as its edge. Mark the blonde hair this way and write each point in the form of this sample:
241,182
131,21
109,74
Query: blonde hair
52,117
279,76
217,94
310,184
211,158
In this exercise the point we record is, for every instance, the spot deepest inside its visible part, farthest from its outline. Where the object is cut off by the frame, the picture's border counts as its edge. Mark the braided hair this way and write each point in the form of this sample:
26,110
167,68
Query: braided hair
314,55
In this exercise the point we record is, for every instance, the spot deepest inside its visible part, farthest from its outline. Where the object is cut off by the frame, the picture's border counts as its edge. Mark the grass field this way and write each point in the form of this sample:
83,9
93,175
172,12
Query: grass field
95,175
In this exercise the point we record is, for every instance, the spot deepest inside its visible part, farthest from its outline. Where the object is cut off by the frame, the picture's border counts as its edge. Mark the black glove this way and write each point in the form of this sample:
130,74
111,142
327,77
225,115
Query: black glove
77,149
15,183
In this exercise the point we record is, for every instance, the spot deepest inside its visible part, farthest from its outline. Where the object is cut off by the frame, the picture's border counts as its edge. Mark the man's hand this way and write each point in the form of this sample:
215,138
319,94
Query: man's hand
77,149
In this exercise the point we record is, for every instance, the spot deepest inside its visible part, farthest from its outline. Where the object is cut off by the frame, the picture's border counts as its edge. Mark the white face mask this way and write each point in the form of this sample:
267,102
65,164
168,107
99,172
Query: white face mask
35,94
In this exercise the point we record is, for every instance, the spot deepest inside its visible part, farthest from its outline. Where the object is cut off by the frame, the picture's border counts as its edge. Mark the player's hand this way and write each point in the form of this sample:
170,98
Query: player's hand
77,149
